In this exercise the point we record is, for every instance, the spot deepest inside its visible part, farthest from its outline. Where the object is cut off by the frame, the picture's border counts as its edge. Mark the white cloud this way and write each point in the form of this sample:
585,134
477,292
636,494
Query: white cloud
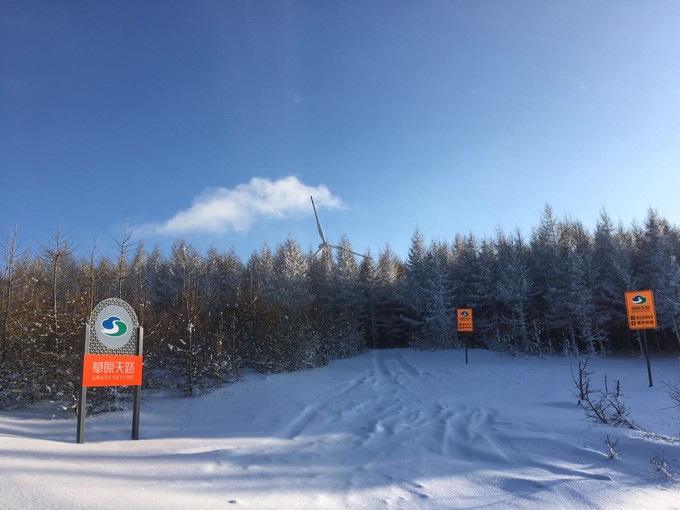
219,210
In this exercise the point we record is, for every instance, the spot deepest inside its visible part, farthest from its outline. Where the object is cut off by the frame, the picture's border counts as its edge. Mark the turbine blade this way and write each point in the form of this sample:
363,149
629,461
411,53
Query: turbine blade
346,249
316,253
318,223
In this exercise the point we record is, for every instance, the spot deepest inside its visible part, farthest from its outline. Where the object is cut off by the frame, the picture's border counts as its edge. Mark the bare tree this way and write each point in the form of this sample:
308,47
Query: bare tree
186,266
11,252
91,274
124,246
58,254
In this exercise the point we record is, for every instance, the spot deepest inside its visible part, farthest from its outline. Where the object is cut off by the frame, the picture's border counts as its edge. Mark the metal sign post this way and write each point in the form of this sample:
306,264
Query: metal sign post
112,356
138,389
642,316
82,397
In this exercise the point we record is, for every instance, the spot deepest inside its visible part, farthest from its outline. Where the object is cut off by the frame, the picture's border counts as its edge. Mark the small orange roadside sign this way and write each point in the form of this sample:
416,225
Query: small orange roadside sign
112,370
464,320
640,308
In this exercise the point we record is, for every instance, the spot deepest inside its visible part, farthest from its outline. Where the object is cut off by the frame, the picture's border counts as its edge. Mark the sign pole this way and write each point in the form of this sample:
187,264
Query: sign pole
82,394
138,389
464,317
646,348
642,316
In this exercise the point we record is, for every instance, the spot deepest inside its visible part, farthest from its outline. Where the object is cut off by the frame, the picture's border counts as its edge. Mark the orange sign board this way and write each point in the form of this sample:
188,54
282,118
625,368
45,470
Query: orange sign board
464,320
640,308
112,370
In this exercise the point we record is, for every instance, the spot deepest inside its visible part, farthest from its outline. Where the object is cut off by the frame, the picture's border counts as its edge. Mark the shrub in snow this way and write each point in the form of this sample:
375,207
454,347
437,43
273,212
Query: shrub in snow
610,444
604,406
667,469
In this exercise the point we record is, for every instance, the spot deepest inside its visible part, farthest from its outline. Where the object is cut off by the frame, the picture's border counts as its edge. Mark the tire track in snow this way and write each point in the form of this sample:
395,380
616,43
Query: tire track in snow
400,407
379,413
382,375
408,367
481,438
348,387
337,402
301,422
388,413
384,414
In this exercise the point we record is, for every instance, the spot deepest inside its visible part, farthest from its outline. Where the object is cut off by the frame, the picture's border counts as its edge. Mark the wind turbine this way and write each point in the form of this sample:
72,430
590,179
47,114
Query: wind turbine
325,245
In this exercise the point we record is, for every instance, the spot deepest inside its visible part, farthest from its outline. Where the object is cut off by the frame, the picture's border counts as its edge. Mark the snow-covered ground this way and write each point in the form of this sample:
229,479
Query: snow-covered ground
388,429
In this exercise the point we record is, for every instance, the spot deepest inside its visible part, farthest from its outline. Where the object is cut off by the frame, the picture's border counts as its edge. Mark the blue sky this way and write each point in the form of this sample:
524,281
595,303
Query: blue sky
213,121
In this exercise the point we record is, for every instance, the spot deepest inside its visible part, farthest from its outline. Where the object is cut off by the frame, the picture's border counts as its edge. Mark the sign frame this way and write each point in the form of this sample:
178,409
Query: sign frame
111,356
465,320
640,309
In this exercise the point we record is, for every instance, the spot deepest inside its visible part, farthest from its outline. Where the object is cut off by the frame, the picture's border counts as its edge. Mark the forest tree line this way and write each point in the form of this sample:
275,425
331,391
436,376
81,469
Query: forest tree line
208,316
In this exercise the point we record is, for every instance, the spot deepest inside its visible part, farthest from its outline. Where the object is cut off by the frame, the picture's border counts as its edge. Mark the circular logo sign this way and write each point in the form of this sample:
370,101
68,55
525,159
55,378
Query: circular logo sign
113,326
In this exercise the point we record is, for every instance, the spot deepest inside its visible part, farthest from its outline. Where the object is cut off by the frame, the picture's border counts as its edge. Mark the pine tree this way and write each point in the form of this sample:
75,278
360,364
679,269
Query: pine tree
514,292
221,300
543,264
343,330
368,289
658,252
414,288
297,345
258,309
612,266
484,296
388,306
464,269
438,327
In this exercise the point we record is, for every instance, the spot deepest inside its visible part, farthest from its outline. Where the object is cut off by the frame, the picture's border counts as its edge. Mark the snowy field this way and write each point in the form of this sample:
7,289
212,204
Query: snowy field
389,429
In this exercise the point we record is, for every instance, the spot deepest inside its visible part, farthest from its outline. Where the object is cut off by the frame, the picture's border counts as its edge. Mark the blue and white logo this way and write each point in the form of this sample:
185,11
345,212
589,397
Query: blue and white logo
114,327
